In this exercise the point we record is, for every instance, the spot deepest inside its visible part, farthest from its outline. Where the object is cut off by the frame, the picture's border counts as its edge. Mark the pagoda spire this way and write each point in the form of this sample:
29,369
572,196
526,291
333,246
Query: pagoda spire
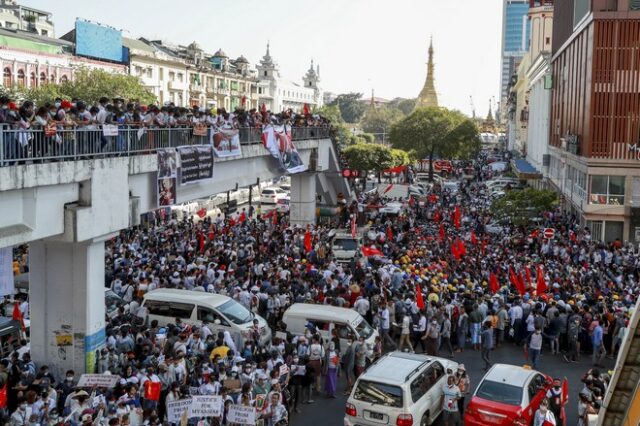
428,96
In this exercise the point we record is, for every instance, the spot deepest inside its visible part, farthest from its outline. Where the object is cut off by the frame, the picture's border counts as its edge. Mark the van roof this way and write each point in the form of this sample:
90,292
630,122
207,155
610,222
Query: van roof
175,295
8,325
396,367
321,312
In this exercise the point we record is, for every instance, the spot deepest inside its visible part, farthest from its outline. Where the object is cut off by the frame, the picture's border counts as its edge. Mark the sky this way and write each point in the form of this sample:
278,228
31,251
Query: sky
360,45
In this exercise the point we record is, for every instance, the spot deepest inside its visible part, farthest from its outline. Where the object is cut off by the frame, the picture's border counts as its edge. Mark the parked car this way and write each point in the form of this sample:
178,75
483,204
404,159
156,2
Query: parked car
401,389
507,395
271,195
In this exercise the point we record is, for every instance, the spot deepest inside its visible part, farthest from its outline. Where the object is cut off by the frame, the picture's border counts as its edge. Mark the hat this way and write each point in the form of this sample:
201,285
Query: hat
274,382
80,393
461,367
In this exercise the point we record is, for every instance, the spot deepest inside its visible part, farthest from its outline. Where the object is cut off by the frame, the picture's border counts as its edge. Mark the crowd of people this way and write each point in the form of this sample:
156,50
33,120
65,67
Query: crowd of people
40,131
435,282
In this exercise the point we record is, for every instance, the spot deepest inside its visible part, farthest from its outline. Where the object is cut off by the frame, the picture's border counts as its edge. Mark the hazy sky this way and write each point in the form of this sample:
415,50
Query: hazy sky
359,44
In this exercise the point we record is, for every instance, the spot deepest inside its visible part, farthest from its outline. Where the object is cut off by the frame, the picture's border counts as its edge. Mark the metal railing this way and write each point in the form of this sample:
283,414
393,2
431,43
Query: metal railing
21,146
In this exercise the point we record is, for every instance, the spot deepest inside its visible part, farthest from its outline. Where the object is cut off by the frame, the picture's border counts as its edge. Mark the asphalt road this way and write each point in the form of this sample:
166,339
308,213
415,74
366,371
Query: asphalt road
329,412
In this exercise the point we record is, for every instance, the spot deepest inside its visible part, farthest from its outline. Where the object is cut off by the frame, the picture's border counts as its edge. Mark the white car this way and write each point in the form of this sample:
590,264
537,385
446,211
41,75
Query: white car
271,195
285,187
392,207
399,389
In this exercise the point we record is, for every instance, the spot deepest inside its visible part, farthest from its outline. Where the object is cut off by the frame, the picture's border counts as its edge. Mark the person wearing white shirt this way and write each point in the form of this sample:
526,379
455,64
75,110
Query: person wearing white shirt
361,306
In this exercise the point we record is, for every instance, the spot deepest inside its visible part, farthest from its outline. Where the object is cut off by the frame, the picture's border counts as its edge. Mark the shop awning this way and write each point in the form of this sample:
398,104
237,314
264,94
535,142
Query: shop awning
524,169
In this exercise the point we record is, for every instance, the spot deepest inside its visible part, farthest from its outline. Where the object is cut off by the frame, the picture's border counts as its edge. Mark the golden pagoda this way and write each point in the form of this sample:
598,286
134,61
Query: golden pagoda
428,96
489,124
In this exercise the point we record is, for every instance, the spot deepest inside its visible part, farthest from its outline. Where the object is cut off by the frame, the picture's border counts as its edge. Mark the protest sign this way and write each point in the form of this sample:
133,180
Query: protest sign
97,380
241,414
175,409
206,406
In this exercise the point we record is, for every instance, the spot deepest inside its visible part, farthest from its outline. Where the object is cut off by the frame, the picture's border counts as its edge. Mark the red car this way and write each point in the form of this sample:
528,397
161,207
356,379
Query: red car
509,395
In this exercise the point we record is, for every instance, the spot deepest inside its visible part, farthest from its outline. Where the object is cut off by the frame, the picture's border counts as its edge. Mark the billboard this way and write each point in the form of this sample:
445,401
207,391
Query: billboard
196,163
97,41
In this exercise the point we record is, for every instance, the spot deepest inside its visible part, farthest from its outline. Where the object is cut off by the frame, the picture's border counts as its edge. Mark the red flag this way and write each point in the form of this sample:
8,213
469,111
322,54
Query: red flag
275,217
307,241
436,216
527,271
535,233
263,110
305,109
541,285
521,281
244,101
370,251
411,201
17,315
565,391
493,283
152,390
232,222
516,282
457,215
474,240
242,217
483,246
454,251
202,212
461,248
353,226
389,233
419,299
442,234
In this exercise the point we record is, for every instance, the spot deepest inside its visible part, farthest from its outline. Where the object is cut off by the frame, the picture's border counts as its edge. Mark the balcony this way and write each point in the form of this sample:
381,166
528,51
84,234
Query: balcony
177,85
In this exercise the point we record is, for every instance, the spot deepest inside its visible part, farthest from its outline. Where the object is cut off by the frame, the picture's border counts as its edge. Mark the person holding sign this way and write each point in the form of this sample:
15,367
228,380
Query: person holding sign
276,414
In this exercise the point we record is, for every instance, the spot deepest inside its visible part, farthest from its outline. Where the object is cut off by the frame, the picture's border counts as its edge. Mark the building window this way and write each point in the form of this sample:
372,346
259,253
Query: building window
180,77
607,190
33,82
6,77
265,73
22,81
45,33
52,79
43,78
172,76
149,73
64,79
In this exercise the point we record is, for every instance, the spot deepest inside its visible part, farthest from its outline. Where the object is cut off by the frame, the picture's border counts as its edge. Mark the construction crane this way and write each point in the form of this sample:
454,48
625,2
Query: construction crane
473,108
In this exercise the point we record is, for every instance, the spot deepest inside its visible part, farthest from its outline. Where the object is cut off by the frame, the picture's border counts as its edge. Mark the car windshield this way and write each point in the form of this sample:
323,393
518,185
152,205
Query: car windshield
235,312
500,392
364,329
345,244
378,393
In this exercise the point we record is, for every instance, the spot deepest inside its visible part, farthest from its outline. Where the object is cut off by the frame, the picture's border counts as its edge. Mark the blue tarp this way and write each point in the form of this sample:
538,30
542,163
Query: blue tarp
523,167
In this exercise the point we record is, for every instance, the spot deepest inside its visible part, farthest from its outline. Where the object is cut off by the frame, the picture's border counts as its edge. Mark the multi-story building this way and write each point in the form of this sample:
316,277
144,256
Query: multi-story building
160,71
14,16
30,60
538,75
515,35
278,93
213,80
595,114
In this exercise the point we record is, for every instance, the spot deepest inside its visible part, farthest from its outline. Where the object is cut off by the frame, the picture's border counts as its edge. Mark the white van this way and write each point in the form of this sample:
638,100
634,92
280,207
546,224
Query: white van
399,389
347,322
345,247
194,307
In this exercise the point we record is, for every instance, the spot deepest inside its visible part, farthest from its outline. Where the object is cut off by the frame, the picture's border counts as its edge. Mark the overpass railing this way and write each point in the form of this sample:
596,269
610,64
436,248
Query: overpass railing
20,146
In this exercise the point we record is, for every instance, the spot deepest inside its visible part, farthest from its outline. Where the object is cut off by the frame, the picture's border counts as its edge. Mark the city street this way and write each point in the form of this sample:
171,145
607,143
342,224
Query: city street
326,411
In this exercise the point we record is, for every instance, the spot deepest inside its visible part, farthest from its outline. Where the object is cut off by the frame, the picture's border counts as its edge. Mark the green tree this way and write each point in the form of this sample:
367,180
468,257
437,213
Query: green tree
380,119
341,133
403,105
401,157
522,206
367,157
90,86
436,133
351,106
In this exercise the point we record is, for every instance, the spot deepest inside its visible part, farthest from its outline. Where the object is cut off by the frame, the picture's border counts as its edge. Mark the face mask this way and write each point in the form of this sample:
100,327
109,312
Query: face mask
296,360
57,104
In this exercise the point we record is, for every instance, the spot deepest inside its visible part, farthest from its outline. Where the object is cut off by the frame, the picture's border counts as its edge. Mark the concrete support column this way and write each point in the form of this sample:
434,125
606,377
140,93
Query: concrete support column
67,304
302,209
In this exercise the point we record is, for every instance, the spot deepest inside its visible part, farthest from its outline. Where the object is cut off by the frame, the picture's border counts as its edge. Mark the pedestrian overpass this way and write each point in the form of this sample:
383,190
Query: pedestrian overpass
66,205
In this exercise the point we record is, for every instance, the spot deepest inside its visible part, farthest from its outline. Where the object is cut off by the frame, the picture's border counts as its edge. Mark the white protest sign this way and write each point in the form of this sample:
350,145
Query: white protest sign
241,414
98,380
206,406
175,409
109,130
284,369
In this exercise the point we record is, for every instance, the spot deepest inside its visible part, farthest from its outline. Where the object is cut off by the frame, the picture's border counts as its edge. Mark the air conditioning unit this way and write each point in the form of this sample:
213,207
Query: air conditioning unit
546,160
